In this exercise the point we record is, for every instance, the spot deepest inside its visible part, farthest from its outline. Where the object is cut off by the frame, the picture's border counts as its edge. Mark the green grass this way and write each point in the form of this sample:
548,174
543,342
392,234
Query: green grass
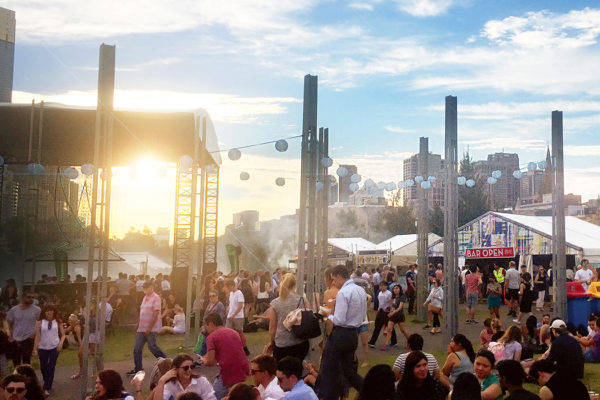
119,347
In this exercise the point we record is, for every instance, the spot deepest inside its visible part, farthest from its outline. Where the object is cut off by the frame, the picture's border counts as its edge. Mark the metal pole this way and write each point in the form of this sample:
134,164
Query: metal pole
558,221
324,209
202,226
422,231
451,223
313,145
194,254
309,123
319,216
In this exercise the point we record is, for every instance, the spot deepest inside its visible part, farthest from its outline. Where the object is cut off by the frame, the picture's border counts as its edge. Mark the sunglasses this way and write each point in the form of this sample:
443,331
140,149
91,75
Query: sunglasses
186,367
13,389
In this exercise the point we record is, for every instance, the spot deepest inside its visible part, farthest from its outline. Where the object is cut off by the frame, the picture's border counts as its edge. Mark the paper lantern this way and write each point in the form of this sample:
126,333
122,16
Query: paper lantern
234,154
369,183
353,186
401,185
326,162
517,174
390,186
431,178
36,169
491,180
461,180
281,145
470,183
531,166
496,174
355,178
542,165
425,185
244,176
341,172
70,173
185,162
87,169
380,185
418,179
280,181
410,182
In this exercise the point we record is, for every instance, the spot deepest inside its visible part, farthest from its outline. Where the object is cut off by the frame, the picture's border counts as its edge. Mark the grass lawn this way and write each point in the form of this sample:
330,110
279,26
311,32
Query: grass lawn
119,347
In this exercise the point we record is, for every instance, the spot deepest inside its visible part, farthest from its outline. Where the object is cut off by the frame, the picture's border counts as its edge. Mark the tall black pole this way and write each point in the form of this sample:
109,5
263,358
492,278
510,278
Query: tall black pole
451,222
309,123
559,259
422,231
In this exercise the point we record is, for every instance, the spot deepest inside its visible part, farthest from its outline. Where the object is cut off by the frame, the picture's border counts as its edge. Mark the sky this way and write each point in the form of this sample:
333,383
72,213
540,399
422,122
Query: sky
384,69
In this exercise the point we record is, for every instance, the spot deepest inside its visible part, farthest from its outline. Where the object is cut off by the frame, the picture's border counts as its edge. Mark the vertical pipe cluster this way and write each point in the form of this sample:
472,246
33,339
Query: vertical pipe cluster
422,231
559,259
451,222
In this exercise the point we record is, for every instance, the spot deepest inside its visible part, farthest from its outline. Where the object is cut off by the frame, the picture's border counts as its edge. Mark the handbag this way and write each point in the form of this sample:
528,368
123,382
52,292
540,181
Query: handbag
306,324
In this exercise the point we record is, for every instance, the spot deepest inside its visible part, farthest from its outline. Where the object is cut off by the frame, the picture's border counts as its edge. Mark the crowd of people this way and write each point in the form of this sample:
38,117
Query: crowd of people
551,353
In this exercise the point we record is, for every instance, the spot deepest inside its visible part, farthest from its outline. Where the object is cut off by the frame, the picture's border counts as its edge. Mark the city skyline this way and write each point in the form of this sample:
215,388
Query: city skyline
384,69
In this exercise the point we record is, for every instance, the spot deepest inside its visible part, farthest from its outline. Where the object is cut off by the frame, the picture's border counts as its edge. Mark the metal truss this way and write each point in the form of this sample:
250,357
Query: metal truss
211,214
182,245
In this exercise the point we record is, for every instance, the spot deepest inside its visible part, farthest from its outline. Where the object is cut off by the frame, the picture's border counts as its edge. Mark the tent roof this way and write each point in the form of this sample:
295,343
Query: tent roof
399,241
351,245
68,134
579,234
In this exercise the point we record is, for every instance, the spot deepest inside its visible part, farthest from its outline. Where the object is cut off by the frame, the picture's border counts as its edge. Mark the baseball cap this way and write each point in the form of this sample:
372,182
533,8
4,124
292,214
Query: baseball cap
557,324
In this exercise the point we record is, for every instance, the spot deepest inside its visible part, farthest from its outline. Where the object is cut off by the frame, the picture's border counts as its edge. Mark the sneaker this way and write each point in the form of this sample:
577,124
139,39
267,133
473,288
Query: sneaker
46,393
371,346
468,321
132,372
385,347
427,326
516,321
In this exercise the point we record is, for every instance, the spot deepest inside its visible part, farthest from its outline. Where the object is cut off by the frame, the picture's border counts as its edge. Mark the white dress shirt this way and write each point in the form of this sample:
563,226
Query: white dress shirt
200,385
272,391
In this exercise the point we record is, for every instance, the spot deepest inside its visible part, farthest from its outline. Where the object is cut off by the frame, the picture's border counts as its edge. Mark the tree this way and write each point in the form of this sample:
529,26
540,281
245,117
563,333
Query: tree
472,202
396,221
436,220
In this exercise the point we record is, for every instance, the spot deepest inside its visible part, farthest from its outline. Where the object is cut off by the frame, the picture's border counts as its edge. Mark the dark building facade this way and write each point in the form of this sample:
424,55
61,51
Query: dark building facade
7,53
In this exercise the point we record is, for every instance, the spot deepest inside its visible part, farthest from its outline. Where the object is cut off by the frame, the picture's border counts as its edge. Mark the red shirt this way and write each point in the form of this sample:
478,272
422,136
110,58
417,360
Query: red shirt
472,282
230,355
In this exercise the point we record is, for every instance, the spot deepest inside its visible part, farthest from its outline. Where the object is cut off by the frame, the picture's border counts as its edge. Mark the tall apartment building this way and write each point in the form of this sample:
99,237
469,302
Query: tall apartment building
530,186
435,165
505,192
7,53
344,191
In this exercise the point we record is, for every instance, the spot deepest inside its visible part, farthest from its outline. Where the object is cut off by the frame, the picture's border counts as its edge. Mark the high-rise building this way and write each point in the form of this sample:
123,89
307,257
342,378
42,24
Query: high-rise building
435,165
530,185
246,220
7,53
505,192
344,191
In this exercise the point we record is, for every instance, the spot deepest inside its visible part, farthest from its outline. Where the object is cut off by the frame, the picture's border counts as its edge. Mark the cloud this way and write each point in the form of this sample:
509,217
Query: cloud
361,6
396,129
387,166
577,28
222,107
424,8
582,151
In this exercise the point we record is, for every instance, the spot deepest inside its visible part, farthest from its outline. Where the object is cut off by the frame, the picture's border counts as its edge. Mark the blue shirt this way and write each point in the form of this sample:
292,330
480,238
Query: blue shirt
350,306
301,391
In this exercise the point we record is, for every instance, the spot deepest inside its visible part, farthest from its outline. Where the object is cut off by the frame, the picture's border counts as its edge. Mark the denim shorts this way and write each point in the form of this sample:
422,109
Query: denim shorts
472,299
362,328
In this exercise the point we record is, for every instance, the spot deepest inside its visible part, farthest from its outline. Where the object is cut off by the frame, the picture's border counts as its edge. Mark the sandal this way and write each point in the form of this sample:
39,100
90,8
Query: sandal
432,331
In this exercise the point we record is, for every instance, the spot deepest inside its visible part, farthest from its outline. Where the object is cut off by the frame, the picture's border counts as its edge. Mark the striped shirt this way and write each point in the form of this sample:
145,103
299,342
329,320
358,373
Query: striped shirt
432,363
150,304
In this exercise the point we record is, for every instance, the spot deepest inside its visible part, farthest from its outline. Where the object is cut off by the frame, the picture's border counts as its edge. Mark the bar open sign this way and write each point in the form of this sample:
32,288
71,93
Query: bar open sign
491,252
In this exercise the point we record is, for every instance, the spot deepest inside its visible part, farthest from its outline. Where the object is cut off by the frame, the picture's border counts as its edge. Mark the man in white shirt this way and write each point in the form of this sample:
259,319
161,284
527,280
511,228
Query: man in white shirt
263,369
381,319
376,280
235,312
584,275
512,284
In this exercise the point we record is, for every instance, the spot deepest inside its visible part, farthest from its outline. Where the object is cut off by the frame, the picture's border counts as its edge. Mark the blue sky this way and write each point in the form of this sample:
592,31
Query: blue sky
384,69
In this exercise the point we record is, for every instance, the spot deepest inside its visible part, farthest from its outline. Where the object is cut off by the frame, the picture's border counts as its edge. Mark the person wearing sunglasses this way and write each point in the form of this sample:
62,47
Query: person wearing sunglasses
263,369
14,387
182,378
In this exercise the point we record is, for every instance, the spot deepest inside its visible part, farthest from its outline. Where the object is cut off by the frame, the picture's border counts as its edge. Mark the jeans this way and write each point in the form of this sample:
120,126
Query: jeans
589,358
48,365
338,361
220,388
381,320
140,339
22,351
375,297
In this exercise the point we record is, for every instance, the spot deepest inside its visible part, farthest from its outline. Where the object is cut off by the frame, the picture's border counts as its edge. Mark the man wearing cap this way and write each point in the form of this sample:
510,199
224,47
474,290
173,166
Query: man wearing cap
148,327
565,351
